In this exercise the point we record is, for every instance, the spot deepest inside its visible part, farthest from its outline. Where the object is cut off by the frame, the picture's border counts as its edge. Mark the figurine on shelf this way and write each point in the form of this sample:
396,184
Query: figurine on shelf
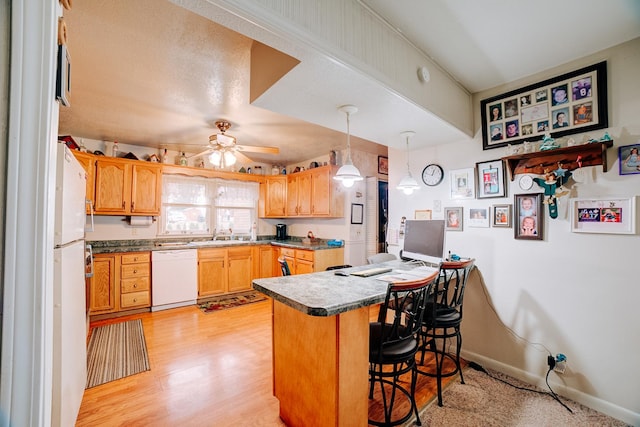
548,143
605,137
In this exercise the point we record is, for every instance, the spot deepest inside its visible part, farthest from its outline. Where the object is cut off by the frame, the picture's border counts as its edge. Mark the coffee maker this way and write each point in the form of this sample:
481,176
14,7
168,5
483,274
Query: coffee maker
281,232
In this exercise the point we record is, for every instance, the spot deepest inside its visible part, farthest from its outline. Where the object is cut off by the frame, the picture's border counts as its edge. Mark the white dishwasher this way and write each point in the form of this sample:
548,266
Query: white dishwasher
174,278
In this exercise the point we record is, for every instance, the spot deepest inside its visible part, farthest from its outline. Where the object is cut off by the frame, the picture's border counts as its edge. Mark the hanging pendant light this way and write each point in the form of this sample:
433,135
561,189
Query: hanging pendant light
348,174
408,184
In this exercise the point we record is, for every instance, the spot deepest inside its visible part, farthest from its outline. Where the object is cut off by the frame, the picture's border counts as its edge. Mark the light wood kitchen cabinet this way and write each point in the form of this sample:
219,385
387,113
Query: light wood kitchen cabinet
275,196
263,261
88,163
120,282
299,194
312,193
102,287
302,261
135,280
212,267
224,270
240,268
127,187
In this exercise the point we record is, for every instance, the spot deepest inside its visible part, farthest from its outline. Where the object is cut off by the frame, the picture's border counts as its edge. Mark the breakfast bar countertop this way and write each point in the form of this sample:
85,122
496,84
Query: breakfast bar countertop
325,293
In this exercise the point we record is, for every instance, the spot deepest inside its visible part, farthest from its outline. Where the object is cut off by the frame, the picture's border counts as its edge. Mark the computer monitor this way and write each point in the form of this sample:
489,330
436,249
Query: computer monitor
424,240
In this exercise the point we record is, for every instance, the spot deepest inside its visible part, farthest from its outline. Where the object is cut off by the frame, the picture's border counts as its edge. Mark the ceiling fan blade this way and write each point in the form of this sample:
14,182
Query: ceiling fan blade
256,149
207,151
242,159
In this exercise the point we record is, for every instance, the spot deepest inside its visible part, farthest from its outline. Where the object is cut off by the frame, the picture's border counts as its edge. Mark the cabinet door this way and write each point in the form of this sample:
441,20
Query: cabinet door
266,261
88,163
146,186
303,266
292,195
320,191
102,298
113,186
212,272
304,194
276,197
240,268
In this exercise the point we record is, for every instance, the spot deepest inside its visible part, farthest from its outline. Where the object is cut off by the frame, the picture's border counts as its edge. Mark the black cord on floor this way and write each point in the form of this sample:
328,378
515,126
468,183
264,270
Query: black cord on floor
477,367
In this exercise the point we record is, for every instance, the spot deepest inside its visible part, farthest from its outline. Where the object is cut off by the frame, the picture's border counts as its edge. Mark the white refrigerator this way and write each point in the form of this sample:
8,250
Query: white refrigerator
71,257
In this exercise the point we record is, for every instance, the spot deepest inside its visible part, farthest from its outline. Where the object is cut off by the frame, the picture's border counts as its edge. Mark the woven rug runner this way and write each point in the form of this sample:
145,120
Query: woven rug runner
229,301
116,351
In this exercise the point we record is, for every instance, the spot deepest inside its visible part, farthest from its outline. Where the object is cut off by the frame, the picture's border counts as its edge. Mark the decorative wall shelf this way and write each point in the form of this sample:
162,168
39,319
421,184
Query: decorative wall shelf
591,154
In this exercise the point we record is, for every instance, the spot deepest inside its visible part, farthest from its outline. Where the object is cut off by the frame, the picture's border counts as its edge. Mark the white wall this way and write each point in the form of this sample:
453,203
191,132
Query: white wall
570,293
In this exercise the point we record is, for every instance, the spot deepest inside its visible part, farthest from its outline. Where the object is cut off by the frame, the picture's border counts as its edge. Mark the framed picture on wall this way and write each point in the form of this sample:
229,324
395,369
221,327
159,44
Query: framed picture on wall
479,217
501,216
383,165
629,159
462,184
357,212
453,217
611,215
491,180
575,102
528,218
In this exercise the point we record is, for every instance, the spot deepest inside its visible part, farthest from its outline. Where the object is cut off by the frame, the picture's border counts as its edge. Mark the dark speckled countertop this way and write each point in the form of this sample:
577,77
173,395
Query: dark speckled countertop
123,246
325,294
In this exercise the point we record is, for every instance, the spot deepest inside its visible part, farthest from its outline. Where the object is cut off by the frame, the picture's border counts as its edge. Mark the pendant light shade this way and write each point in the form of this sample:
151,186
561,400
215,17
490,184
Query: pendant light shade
408,184
348,174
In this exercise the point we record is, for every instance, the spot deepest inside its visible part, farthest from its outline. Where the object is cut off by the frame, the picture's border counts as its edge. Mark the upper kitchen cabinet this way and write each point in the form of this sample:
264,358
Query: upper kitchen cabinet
275,196
311,193
299,194
88,163
127,187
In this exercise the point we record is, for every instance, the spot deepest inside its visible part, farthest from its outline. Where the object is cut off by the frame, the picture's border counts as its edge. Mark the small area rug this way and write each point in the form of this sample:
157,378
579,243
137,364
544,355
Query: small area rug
486,401
229,301
116,351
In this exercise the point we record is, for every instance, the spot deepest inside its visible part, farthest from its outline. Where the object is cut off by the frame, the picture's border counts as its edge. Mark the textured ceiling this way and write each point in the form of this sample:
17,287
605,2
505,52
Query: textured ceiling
150,73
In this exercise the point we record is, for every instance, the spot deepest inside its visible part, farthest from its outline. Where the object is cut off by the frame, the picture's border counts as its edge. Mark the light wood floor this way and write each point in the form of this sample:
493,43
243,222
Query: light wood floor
206,370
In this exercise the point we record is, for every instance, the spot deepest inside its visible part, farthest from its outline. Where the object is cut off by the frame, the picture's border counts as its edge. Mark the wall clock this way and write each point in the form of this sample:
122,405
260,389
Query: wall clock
432,175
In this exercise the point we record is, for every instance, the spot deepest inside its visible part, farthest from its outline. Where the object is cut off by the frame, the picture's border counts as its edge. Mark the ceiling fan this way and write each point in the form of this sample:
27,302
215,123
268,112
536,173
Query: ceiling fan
223,148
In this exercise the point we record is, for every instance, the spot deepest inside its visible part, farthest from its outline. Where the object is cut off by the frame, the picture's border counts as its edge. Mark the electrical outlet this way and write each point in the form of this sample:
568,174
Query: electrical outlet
560,363
134,231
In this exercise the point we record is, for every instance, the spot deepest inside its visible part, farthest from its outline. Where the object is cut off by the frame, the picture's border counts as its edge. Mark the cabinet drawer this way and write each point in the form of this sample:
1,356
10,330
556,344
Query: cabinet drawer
288,252
134,285
134,270
305,255
136,257
134,299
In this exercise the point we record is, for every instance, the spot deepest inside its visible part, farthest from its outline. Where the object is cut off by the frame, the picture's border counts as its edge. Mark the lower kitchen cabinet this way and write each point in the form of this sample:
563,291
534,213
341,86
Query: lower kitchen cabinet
120,282
224,270
212,268
303,261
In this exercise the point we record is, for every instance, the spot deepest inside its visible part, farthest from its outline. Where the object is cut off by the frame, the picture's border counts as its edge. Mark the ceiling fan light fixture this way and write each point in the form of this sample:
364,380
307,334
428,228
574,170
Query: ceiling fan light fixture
408,184
348,174
229,158
215,157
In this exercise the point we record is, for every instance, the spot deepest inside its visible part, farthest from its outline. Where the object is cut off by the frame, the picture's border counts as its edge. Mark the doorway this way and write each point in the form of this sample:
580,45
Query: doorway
383,215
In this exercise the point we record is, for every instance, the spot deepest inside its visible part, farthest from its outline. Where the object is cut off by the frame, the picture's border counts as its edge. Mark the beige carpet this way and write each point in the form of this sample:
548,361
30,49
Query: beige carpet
483,401
116,351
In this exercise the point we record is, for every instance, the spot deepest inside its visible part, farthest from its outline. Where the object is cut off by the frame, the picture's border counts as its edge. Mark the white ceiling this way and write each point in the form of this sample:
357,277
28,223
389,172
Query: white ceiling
150,73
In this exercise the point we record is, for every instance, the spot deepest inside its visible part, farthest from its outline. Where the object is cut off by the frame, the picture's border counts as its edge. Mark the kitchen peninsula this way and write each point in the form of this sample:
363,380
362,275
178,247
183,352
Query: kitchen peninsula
321,343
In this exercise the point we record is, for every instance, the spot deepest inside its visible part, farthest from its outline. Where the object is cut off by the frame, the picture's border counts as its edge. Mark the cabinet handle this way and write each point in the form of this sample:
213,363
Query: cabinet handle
135,286
135,300
133,206
135,271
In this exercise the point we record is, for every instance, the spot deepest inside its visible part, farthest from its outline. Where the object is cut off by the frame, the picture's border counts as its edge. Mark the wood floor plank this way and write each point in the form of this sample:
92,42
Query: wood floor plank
210,369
